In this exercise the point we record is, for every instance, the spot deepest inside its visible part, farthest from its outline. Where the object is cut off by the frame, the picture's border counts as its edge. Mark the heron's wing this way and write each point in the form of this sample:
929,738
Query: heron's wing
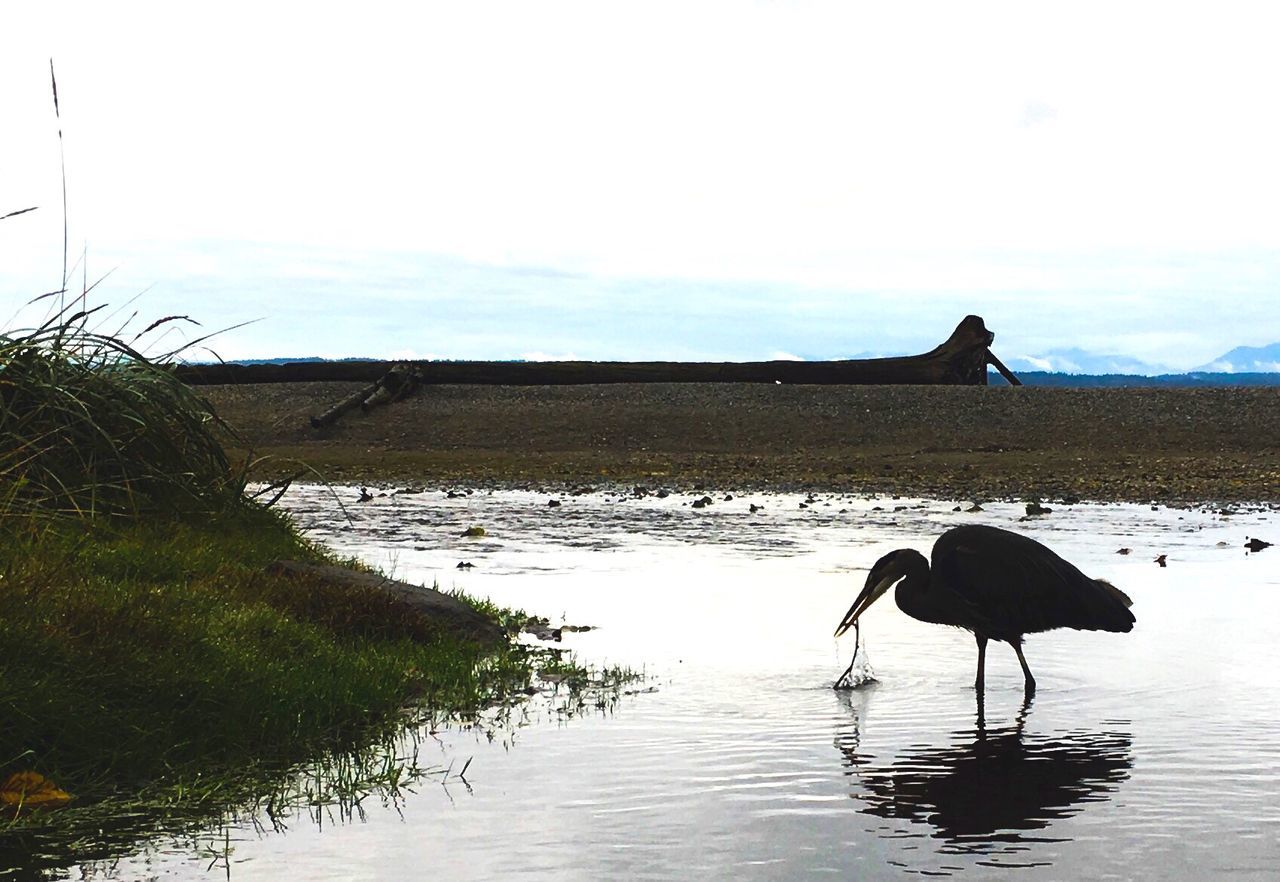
1018,586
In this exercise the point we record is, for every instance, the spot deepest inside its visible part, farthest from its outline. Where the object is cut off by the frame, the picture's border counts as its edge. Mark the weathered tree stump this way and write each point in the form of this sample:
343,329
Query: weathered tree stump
395,384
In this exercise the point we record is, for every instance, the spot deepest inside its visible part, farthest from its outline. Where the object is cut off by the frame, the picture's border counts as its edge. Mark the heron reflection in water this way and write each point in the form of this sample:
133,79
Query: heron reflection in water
987,785
996,584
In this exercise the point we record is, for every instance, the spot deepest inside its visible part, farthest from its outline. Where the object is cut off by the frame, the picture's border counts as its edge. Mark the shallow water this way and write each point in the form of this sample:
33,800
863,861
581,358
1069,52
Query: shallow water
1154,754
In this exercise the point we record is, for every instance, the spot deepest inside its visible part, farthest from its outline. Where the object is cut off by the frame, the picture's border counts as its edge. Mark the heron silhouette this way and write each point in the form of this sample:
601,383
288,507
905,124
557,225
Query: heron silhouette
997,584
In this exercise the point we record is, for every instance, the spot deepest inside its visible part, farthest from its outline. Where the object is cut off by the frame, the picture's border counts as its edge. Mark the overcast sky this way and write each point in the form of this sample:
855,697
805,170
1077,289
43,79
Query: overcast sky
650,180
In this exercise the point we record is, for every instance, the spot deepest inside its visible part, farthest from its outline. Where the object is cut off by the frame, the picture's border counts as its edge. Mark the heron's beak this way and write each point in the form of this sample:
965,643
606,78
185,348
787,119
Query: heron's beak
877,584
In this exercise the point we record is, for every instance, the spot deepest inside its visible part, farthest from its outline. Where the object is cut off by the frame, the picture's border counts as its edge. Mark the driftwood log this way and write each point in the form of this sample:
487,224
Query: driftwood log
330,416
961,360
448,612
395,384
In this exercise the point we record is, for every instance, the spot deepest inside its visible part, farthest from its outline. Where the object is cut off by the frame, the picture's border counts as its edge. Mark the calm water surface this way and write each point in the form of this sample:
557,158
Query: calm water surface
1154,754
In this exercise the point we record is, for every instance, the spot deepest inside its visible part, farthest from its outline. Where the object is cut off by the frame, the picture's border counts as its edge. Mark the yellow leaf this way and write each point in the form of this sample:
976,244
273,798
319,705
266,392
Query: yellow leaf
31,789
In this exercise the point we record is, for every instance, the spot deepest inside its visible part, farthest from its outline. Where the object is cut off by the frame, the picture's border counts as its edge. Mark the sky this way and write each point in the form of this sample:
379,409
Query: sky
698,181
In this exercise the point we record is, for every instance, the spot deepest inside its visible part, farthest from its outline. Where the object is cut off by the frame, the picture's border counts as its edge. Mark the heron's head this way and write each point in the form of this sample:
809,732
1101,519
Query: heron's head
887,571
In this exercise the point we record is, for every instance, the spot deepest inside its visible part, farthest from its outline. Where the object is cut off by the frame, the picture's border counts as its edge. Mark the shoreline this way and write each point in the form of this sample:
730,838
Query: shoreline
1111,482
1190,447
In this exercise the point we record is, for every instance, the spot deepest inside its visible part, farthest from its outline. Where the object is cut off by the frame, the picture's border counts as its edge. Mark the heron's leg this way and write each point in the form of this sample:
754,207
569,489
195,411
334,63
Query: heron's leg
1030,688
982,663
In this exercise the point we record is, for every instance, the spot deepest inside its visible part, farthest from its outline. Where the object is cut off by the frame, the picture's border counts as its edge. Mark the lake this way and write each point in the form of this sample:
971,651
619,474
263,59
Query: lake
1152,754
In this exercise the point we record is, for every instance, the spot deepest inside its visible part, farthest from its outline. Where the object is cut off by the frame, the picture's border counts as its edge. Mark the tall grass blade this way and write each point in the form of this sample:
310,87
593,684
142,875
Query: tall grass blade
62,155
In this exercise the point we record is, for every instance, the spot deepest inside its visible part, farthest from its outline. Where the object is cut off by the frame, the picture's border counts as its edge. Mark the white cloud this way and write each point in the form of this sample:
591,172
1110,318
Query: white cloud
1038,364
1036,113
548,356
409,355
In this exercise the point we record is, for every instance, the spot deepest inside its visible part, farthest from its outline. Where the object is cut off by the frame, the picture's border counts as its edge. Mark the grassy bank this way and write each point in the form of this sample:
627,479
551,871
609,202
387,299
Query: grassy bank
161,654
149,664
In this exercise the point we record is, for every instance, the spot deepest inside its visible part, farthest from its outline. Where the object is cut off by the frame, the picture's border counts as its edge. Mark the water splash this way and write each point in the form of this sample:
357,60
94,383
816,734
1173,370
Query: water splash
859,672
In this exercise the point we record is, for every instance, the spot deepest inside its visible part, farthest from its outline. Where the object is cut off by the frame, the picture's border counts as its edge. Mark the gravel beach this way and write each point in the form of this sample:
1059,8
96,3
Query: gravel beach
1176,446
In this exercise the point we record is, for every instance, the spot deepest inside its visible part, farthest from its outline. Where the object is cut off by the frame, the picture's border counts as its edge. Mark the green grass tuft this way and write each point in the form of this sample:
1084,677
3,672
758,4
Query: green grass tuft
91,427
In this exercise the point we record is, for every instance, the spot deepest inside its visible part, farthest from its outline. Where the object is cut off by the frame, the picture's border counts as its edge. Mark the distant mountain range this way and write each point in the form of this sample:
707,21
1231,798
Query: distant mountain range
1242,366
1192,378
1246,359
1078,361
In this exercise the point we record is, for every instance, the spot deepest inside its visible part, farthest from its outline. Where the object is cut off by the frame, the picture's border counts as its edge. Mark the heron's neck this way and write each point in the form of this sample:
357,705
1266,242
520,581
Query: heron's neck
914,587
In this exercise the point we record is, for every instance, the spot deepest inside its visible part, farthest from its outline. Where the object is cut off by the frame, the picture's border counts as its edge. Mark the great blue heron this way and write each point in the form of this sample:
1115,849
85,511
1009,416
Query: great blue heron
997,584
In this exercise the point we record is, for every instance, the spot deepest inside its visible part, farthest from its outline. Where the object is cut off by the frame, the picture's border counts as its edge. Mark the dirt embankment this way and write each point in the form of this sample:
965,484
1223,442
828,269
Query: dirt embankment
963,442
